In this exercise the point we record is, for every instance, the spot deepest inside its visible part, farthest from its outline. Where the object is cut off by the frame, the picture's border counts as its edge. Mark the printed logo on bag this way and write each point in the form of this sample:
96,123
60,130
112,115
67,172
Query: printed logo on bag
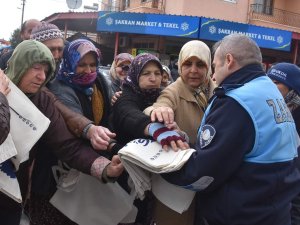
207,134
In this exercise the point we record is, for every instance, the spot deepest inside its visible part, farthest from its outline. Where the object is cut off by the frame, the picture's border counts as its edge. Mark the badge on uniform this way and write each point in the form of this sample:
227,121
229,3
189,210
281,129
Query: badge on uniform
207,134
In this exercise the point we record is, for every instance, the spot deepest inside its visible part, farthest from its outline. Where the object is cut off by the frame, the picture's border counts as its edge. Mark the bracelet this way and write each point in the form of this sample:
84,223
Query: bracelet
107,179
85,130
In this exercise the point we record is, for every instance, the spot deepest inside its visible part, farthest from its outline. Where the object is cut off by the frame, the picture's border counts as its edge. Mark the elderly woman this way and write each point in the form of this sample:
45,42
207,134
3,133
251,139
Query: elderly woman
30,68
184,102
81,87
119,69
140,89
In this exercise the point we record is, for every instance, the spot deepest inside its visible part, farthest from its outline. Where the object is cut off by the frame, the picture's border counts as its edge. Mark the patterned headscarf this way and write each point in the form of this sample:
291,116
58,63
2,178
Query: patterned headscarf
25,55
132,80
122,57
73,53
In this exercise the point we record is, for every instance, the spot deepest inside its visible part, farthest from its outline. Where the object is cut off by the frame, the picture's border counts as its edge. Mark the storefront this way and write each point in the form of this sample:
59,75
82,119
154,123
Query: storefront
275,44
164,35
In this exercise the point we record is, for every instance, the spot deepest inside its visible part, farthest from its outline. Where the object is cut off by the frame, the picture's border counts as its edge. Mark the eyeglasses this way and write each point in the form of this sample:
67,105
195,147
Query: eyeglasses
59,49
125,68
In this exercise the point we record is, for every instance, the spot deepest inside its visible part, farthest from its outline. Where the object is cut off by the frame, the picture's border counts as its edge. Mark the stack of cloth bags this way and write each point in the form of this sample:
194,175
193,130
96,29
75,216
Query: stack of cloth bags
144,160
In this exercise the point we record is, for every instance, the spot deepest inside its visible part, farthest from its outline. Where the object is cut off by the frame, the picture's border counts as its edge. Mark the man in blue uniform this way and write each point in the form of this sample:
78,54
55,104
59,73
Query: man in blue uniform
244,168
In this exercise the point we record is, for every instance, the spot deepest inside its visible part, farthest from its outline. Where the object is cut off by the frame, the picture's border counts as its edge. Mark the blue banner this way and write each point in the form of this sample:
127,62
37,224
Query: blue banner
142,23
215,30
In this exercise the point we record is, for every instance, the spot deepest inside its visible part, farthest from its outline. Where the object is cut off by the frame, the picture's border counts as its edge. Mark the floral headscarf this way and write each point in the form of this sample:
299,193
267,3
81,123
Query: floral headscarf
73,53
132,80
122,57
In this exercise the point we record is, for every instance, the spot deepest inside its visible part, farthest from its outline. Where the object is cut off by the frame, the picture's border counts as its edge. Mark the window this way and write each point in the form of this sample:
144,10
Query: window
125,4
155,4
263,6
231,1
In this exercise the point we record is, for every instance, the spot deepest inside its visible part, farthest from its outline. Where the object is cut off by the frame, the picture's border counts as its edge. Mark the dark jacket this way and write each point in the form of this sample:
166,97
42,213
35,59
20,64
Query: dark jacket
128,119
296,117
4,118
241,192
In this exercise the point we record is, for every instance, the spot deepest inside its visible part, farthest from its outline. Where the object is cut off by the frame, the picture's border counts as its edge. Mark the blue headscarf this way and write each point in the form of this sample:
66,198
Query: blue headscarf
73,53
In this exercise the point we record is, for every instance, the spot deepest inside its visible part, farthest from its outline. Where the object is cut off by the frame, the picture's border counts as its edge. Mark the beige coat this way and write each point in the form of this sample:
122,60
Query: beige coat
188,112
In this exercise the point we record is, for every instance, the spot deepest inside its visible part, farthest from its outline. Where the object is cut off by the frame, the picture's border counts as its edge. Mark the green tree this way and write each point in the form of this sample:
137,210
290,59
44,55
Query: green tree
15,38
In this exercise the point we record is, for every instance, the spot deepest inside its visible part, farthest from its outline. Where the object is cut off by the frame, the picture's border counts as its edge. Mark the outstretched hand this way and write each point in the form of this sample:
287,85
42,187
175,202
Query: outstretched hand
115,168
100,137
167,137
4,81
163,115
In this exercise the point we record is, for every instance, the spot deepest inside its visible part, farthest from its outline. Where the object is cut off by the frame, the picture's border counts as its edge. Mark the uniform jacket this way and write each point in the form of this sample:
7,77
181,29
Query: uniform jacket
233,190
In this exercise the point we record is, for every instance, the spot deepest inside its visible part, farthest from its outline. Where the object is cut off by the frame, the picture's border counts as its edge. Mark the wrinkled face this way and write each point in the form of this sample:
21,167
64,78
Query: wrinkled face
34,78
220,69
284,90
150,77
87,64
122,69
193,72
28,28
56,47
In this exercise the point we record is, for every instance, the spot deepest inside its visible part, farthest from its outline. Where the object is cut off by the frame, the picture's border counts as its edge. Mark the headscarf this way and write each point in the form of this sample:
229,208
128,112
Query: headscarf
132,80
25,55
122,57
73,53
200,50
168,71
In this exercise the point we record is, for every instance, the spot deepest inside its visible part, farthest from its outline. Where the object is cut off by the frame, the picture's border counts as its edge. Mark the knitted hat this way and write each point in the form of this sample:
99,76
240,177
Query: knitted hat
45,31
286,73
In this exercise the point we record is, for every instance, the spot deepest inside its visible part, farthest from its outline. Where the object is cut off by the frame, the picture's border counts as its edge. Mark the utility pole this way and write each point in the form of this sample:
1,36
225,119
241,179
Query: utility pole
23,7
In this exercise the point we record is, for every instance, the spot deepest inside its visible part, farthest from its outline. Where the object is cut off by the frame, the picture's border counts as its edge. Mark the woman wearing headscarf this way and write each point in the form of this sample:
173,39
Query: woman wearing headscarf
80,87
287,78
140,89
119,69
167,78
30,68
184,102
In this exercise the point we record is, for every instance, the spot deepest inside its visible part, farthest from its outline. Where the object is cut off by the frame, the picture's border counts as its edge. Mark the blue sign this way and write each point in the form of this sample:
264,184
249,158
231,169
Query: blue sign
142,23
215,30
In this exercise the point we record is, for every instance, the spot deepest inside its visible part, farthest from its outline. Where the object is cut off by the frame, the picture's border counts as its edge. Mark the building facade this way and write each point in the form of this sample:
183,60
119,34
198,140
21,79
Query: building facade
254,17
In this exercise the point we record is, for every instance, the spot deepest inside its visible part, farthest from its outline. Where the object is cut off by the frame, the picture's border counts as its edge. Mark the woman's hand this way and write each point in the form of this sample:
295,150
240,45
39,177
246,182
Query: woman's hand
163,114
100,137
115,97
4,81
167,137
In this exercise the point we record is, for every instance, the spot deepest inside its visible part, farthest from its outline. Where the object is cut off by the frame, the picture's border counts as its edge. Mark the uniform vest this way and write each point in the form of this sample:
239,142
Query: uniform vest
276,138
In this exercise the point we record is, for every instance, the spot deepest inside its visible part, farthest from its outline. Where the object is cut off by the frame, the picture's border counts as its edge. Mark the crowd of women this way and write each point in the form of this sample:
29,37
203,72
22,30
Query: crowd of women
141,100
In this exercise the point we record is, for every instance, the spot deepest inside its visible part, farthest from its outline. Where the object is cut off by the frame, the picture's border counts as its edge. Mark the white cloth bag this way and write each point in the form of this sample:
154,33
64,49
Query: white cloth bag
91,202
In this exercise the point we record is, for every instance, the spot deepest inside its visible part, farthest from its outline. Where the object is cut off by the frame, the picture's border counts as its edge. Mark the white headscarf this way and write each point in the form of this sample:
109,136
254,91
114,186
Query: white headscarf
198,49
